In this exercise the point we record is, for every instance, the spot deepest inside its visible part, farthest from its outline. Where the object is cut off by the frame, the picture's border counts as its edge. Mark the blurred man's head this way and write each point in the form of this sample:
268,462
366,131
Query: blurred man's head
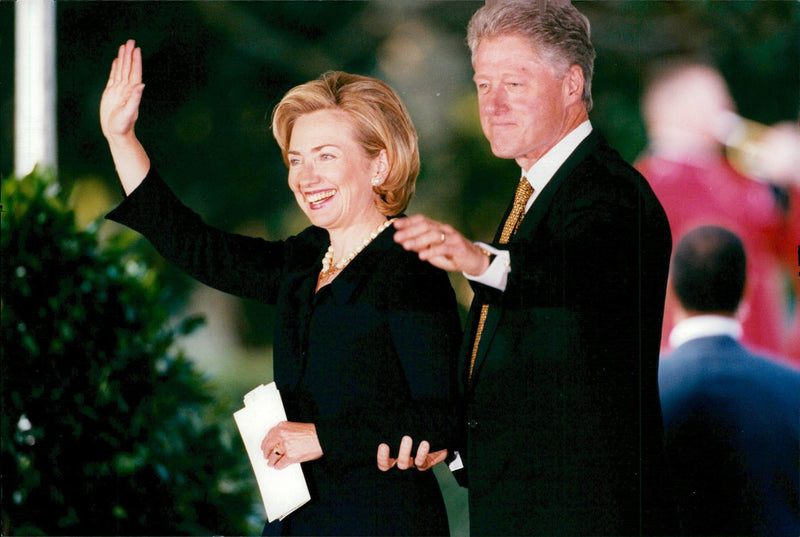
686,107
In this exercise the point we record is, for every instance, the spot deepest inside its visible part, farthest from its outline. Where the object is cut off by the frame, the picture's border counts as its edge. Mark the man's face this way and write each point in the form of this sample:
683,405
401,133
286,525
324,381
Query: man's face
522,100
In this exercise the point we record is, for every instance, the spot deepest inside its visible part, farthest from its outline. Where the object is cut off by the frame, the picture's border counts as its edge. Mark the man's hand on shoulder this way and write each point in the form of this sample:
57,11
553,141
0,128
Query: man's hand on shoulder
441,245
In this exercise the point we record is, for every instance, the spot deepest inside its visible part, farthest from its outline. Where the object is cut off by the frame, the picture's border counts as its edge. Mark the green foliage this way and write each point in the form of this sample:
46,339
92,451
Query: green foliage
106,428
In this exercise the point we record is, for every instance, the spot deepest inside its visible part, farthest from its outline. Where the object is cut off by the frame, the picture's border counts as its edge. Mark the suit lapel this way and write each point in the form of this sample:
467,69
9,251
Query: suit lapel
361,267
301,298
526,230
543,202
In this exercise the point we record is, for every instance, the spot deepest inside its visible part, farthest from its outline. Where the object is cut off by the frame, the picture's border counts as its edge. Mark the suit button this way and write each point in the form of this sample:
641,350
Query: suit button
472,424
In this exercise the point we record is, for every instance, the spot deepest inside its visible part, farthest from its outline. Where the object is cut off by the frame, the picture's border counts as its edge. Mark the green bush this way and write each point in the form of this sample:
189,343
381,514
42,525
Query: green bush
106,427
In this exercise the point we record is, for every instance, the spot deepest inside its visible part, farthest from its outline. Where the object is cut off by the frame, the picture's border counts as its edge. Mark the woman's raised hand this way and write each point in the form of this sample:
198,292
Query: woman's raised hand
119,110
119,107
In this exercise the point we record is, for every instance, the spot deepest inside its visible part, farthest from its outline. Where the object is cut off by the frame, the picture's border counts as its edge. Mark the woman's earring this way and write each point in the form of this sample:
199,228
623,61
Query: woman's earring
376,181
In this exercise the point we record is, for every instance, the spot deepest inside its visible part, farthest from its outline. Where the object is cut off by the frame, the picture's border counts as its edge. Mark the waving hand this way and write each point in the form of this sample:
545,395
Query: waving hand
119,110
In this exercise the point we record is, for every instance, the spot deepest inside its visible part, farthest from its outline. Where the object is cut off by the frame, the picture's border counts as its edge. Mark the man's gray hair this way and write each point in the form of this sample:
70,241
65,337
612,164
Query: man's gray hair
555,28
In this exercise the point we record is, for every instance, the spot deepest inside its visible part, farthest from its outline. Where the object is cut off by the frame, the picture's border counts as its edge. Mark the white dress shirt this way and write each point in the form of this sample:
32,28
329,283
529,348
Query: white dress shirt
538,175
704,326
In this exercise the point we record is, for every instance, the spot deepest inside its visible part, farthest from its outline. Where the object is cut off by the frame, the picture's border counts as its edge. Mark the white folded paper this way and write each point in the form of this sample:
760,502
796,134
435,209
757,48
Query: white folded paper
282,491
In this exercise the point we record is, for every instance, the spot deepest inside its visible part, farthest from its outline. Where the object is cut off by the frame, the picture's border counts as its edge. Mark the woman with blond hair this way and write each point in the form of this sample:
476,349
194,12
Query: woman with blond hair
365,334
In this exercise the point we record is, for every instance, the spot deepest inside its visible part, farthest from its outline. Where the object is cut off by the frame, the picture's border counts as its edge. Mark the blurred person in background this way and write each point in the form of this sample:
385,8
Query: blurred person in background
778,151
366,333
690,115
731,417
561,420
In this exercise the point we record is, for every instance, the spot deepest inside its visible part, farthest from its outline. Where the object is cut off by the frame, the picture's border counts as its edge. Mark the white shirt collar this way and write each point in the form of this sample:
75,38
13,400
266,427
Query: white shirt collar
704,326
545,168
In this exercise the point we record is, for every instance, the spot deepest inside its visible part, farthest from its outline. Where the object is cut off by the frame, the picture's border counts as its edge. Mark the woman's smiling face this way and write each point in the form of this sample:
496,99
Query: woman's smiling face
329,172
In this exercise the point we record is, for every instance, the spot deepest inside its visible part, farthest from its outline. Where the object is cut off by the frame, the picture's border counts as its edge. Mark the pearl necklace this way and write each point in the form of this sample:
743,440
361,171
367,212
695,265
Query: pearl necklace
328,268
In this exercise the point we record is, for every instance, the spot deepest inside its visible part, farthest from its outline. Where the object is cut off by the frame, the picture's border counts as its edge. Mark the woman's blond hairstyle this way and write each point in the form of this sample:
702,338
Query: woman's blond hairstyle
380,121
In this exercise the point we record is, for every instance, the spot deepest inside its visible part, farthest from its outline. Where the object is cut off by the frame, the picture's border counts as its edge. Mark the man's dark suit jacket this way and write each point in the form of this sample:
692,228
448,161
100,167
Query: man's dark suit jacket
368,358
562,414
732,426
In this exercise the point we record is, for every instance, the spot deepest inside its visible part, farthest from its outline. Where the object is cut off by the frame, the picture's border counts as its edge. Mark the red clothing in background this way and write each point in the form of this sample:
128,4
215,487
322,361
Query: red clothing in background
712,192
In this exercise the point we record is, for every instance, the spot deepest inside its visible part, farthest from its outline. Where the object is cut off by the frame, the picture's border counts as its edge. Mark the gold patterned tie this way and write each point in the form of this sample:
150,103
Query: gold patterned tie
521,197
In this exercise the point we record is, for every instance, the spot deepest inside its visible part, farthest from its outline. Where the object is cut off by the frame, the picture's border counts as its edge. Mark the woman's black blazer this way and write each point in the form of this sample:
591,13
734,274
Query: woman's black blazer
367,359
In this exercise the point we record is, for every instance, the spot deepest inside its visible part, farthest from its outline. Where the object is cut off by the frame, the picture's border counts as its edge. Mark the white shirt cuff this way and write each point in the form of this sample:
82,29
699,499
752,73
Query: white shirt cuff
456,464
497,274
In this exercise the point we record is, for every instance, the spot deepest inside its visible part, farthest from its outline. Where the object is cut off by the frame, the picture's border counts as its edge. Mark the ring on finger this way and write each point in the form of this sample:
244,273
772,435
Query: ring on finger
277,450
443,237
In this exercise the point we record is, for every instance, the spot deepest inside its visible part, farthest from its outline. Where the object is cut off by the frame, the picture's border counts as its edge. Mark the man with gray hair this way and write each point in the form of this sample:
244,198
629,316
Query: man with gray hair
561,428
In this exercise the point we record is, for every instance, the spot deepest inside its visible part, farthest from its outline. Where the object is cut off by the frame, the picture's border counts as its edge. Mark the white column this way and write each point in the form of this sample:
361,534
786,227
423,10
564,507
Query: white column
35,86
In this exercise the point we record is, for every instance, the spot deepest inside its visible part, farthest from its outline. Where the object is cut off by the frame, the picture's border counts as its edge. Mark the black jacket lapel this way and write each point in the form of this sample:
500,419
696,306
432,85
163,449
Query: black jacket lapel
527,228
